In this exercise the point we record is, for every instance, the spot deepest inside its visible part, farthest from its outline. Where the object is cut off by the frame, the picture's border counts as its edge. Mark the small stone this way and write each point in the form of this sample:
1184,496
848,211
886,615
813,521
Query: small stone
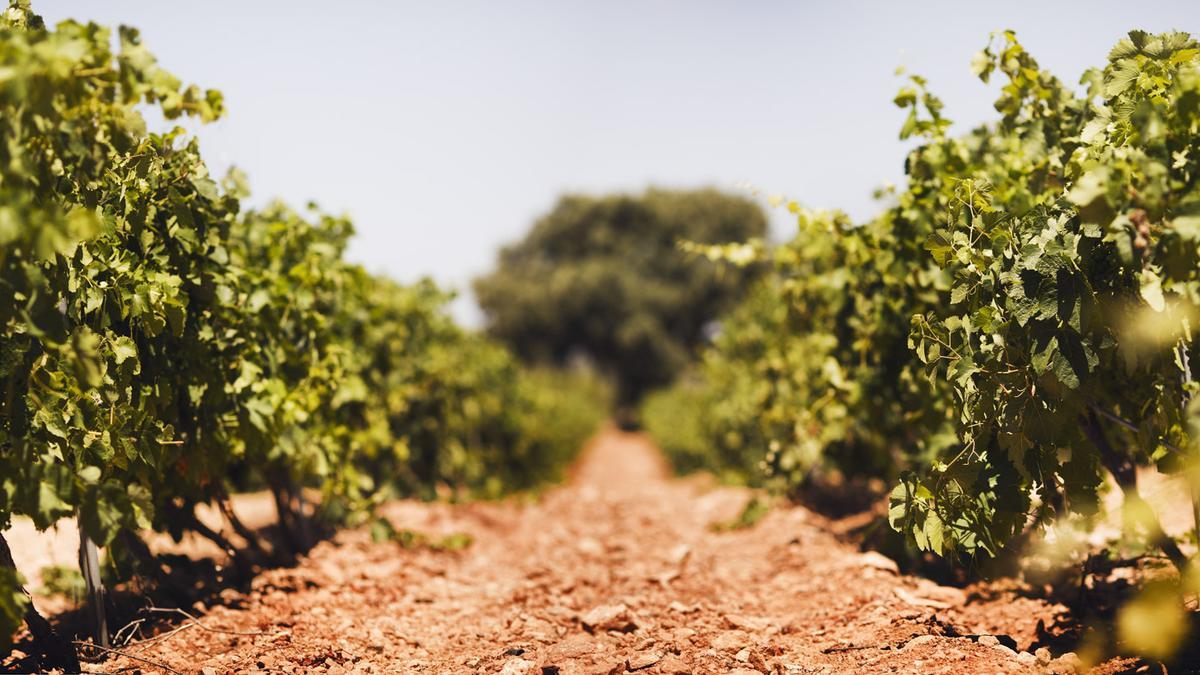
520,667
1043,655
589,546
947,594
1027,659
208,670
878,561
677,606
1070,660
918,601
919,641
1005,650
673,665
679,554
747,623
642,660
570,648
743,655
608,617
988,640
728,642
683,634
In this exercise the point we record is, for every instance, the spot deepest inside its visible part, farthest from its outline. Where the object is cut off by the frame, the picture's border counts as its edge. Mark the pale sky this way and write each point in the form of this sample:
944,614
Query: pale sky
443,128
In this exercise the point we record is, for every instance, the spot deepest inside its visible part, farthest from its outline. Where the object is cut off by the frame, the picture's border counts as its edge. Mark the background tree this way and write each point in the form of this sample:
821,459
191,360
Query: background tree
604,278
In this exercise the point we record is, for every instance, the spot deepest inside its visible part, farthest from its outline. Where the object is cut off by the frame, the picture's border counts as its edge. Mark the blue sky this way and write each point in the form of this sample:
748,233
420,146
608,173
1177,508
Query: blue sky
445,127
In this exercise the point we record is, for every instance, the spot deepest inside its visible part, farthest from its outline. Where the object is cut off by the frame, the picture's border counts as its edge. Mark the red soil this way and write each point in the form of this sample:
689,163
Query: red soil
616,571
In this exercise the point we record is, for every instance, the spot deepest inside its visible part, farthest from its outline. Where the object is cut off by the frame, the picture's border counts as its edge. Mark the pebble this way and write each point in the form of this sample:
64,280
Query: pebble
918,601
673,665
679,554
1070,660
570,648
520,667
642,660
918,641
878,561
683,635
376,640
1043,656
608,617
589,546
1005,650
946,594
748,623
1027,659
728,642
743,655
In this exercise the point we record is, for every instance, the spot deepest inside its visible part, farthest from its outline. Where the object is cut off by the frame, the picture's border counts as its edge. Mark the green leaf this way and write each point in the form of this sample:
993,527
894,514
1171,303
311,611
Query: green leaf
1090,187
1120,77
1150,289
123,349
90,474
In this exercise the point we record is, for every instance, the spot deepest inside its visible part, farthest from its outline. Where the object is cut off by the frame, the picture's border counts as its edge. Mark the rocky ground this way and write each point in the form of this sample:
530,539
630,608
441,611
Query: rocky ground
618,570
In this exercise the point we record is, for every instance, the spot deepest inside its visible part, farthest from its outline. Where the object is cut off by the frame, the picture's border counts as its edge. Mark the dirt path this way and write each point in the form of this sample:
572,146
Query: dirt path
615,571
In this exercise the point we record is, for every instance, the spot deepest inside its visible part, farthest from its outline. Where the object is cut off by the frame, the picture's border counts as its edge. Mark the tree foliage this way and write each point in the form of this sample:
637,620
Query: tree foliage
604,278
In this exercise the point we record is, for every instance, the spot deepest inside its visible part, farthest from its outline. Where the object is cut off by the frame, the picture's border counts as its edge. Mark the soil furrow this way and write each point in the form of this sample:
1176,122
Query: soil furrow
617,570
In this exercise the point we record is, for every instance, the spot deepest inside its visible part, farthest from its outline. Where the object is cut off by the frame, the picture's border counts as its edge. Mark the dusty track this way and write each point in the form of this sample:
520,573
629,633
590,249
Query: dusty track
617,570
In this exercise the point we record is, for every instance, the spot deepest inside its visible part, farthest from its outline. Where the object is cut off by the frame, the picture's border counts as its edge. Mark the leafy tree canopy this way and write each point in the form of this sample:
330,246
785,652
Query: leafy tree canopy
604,278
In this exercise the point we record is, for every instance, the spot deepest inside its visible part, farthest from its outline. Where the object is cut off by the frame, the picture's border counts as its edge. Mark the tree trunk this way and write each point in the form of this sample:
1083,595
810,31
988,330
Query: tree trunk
293,522
1125,473
168,582
252,539
188,518
89,565
54,650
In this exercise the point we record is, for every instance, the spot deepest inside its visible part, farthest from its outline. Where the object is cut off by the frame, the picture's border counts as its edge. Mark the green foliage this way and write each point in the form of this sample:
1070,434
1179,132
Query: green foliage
1016,323
724,415
755,510
106,231
382,530
812,377
604,278
13,602
1075,280
426,404
62,580
160,347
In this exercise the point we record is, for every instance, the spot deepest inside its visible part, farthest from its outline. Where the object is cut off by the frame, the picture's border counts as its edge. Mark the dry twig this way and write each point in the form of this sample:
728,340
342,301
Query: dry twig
196,622
118,652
